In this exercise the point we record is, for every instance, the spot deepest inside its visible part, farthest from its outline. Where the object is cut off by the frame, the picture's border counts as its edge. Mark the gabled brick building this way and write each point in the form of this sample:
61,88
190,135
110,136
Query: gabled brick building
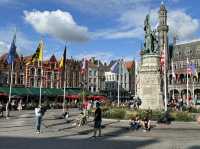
29,75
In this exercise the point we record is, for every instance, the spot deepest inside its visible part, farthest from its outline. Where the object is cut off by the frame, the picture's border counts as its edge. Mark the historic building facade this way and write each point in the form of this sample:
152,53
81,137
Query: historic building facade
30,75
95,75
180,52
127,80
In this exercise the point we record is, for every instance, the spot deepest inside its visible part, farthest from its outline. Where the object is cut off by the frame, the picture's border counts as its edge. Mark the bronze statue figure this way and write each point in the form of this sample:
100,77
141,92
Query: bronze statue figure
151,41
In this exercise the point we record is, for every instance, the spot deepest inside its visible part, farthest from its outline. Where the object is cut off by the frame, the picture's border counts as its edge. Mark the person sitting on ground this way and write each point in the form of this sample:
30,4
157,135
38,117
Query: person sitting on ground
135,123
146,125
65,114
82,120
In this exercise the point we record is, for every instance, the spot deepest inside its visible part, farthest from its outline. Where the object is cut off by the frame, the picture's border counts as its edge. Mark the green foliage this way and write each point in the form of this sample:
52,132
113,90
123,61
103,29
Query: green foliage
194,110
131,114
115,113
122,113
182,116
156,115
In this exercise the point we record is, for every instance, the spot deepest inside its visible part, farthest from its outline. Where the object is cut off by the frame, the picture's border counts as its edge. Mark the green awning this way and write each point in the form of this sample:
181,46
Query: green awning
44,91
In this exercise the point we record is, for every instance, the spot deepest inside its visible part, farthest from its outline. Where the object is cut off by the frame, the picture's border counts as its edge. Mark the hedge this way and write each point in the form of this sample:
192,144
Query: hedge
123,113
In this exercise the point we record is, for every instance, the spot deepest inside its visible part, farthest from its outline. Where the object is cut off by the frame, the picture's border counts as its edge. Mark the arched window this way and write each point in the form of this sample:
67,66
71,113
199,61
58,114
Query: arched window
21,79
38,82
39,72
32,71
32,82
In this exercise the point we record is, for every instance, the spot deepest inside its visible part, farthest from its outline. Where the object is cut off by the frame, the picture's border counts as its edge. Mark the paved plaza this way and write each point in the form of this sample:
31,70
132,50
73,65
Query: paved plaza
19,132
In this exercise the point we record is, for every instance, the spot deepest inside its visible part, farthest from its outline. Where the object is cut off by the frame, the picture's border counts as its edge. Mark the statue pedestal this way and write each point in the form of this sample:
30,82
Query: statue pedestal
149,85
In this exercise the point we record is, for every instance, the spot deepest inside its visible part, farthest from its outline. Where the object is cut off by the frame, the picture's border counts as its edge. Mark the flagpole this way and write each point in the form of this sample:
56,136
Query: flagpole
193,87
187,83
118,86
165,79
26,77
135,78
10,91
64,89
172,65
40,100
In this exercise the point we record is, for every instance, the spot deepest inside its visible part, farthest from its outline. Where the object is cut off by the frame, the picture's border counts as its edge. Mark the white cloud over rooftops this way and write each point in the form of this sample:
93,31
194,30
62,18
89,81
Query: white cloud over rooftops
59,24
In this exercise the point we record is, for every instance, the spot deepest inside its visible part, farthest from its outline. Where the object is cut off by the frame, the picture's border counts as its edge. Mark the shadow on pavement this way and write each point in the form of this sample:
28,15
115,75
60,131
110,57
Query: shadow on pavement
84,132
13,126
52,143
194,147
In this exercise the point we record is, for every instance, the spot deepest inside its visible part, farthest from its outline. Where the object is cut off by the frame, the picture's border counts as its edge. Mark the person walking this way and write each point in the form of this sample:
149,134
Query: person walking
19,107
97,120
38,116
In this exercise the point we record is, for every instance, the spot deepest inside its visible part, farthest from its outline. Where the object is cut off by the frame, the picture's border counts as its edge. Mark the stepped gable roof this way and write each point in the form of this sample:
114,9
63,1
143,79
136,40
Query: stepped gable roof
92,65
112,63
129,64
53,59
3,58
27,58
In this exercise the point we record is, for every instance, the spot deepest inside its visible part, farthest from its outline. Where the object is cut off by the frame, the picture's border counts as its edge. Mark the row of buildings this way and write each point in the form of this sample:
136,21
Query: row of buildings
97,77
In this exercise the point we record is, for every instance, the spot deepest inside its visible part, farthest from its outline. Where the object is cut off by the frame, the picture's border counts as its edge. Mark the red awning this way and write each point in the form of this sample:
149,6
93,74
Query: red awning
3,94
72,97
99,98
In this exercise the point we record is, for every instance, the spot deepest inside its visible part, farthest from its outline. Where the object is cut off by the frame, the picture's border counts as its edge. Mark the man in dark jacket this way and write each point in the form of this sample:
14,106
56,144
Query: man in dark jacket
97,120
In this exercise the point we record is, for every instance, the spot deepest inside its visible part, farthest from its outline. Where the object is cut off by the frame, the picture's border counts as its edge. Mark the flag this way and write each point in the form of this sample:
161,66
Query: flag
61,63
63,59
194,71
189,68
12,53
173,73
115,67
38,54
83,66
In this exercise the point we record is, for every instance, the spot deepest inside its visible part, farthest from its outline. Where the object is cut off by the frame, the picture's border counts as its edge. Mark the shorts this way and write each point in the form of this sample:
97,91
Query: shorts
97,124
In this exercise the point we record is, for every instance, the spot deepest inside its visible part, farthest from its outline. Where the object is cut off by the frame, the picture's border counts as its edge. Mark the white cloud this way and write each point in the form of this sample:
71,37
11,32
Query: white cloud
182,24
131,24
118,33
24,44
103,56
130,16
59,24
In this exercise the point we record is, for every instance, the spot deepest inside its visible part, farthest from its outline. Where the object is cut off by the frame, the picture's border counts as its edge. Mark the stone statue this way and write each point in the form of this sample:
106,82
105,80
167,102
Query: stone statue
151,42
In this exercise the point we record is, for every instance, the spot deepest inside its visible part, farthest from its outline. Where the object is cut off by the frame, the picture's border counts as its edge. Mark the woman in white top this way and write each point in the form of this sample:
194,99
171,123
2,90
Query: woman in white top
38,115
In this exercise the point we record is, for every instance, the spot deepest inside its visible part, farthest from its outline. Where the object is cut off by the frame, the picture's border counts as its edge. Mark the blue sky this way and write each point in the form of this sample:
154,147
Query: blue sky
106,29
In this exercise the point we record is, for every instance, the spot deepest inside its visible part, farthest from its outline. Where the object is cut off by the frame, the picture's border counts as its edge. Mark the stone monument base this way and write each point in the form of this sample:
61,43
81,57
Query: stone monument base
149,88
